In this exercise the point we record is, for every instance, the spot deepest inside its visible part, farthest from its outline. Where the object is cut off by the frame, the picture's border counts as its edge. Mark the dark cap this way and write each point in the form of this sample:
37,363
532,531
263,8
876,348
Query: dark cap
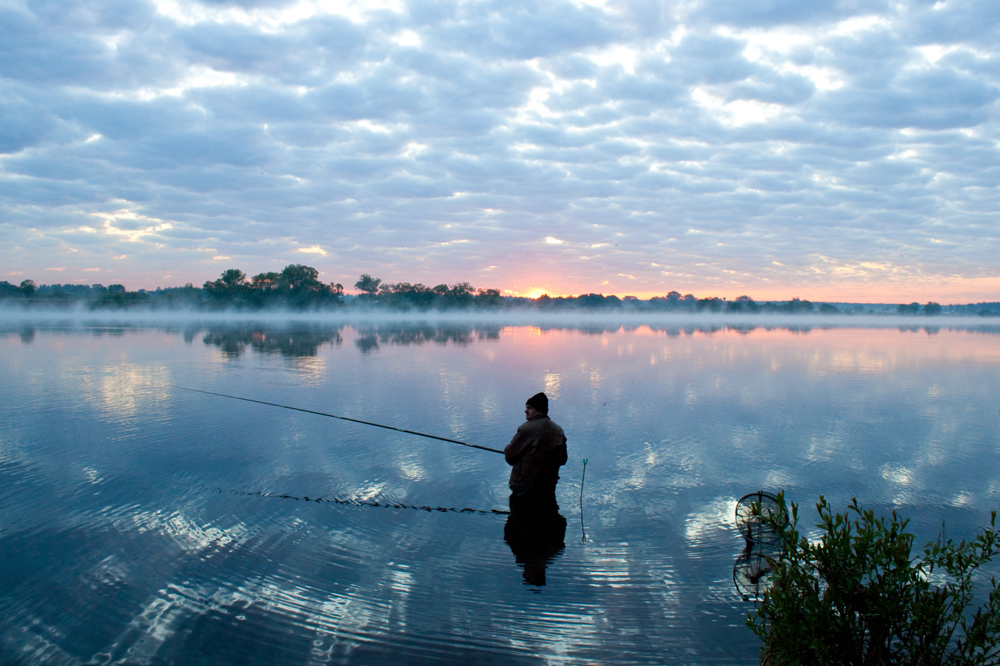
540,402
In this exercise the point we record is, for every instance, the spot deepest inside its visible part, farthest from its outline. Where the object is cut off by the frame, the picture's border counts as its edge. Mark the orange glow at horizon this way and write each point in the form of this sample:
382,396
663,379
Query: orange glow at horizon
953,291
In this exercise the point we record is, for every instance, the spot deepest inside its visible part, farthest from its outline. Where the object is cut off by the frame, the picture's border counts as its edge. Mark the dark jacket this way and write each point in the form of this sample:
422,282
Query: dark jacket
535,453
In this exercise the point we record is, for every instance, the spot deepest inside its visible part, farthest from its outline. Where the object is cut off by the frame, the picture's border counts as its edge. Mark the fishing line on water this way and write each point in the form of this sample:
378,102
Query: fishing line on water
354,502
583,477
334,416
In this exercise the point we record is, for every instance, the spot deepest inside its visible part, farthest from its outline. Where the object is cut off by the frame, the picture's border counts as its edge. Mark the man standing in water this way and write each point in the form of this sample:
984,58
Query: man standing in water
535,530
536,453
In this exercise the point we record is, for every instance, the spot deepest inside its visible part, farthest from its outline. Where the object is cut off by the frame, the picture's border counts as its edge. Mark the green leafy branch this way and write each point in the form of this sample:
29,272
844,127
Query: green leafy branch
858,595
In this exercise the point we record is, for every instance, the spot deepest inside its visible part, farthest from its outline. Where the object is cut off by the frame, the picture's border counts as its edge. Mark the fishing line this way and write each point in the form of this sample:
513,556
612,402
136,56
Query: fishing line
354,502
334,416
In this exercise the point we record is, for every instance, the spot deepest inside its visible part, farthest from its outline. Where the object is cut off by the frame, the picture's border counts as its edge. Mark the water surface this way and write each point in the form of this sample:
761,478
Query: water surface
144,524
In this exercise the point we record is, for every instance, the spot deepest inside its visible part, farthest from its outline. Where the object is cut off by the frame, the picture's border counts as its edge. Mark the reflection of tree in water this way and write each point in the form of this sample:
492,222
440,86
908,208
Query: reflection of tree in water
289,340
371,337
367,339
671,330
675,330
299,340
589,329
929,330
27,332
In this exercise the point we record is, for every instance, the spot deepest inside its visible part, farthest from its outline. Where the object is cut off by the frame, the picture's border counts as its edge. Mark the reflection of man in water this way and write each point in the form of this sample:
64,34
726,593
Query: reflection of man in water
535,529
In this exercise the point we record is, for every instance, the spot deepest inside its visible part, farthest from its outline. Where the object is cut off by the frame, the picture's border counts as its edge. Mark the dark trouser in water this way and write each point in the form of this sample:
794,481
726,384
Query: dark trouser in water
534,500
535,532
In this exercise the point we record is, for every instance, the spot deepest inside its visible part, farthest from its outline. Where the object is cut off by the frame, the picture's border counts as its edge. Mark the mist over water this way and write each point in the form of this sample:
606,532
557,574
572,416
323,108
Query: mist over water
79,316
140,523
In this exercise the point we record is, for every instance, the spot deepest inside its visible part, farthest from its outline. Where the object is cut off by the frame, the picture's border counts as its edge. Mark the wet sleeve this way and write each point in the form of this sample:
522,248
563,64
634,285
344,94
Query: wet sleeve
563,454
513,451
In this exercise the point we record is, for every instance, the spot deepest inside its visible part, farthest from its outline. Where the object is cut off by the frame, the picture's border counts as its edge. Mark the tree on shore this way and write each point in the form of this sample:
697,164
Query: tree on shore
742,304
298,286
295,286
232,288
489,298
368,286
405,296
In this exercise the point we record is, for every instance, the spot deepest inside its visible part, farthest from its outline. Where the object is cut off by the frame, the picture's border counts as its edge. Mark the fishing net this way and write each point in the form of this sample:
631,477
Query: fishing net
752,571
753,513
756,513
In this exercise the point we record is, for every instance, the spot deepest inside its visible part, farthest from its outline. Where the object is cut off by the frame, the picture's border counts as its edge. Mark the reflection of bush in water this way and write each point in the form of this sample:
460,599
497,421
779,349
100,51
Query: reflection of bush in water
672,330
929,330
306,340
371,337
367,341
441,335
291,341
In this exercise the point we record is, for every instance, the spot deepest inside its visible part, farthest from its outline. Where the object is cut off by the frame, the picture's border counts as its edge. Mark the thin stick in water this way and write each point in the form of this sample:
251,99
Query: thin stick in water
583,530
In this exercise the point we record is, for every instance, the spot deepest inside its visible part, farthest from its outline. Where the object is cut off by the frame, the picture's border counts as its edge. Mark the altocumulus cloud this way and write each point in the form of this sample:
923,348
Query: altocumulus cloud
778,148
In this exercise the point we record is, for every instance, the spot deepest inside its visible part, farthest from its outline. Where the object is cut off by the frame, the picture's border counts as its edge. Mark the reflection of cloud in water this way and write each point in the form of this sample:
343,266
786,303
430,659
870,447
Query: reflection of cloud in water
489,406
883,414
961,499
334,621
552,382
187,533
92,475
594,379
127,390
850,361
746,437
630,583
826,446
411,470
12,448
311,369
670,464
609,565
332,618
715,515
897,474
369,491
455,386
779,478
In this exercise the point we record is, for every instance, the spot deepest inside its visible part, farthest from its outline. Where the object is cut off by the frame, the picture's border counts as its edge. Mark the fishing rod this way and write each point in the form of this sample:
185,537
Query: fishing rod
334,416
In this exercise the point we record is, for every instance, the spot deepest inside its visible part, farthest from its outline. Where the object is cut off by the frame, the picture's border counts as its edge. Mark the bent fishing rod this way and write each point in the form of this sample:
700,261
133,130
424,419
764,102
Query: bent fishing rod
334,416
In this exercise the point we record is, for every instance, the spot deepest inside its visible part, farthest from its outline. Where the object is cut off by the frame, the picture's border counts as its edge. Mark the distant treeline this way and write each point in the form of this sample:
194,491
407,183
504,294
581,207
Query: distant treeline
298,287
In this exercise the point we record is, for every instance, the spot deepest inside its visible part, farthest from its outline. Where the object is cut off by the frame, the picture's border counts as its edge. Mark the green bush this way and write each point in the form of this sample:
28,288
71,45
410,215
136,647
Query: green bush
857,596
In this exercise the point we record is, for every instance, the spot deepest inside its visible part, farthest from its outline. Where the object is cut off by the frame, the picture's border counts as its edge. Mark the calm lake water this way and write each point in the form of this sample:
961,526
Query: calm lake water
144,524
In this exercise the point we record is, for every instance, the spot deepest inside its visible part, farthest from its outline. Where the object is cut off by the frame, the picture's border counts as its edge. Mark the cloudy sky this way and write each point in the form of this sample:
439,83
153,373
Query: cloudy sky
827,150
